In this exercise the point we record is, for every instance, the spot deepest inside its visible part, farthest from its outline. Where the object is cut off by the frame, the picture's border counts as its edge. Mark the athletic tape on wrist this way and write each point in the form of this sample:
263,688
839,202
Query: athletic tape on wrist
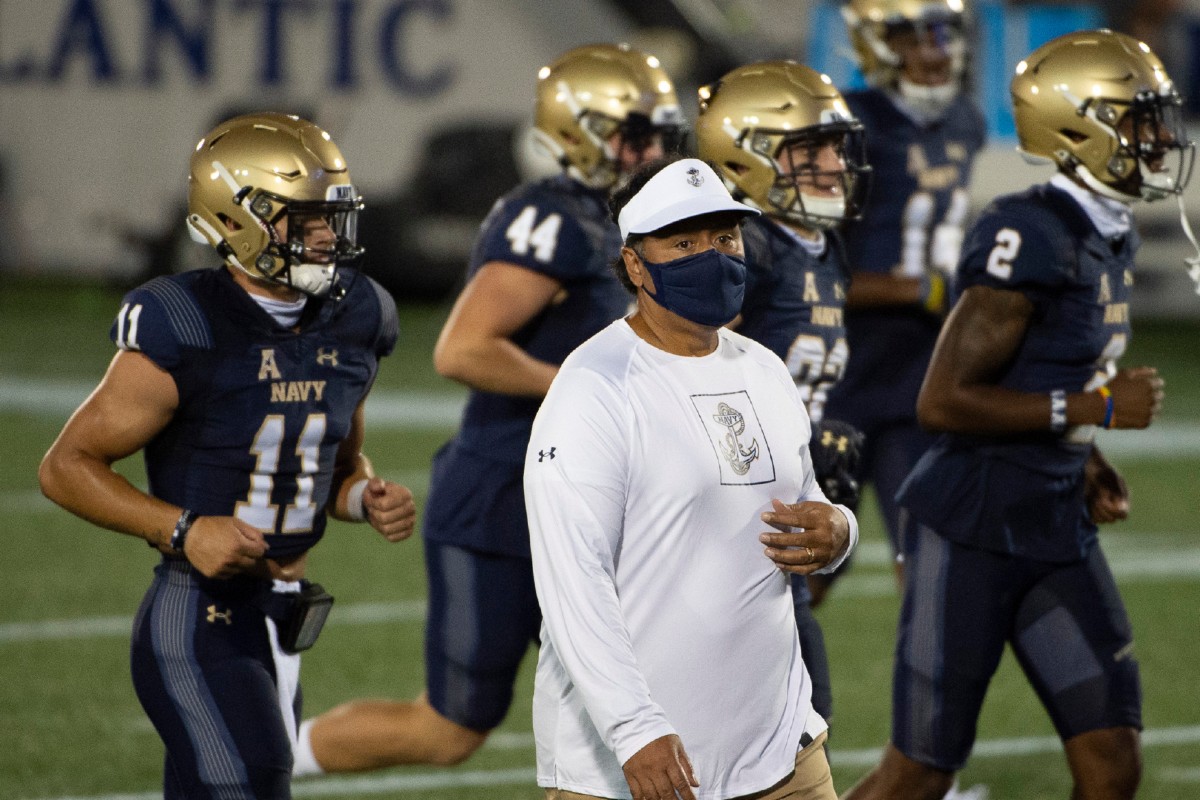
355,508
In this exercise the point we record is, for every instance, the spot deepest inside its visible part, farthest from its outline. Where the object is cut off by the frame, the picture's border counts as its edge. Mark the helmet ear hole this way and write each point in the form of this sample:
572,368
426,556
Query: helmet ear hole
229,222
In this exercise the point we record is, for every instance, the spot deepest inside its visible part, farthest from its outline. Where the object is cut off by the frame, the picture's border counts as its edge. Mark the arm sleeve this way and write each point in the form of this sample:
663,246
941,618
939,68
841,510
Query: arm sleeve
576,505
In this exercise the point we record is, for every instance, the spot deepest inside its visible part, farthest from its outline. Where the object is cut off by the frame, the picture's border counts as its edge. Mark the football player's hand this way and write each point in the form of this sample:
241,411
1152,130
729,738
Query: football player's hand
809,535
1137,395
390,509
1105,491
661,771
221,547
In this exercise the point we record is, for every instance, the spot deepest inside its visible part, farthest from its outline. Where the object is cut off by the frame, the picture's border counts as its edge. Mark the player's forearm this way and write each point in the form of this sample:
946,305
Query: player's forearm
988,410
348,482
90,489
498,365
878,290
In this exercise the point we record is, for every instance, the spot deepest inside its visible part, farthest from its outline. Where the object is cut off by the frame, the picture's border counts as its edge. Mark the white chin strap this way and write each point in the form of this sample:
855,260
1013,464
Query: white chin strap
931,101
1101,188
823,212
313,279
1193,263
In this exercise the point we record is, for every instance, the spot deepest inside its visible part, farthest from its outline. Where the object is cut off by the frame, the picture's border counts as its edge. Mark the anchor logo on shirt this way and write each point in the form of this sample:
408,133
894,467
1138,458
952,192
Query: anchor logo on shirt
740,458
225,616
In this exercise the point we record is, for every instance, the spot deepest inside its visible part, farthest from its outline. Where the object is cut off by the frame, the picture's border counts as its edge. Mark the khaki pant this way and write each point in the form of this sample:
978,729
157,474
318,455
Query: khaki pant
810,781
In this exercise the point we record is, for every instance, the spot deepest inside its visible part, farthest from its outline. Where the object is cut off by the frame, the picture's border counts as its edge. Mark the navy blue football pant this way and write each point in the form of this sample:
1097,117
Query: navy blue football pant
204,671
1065,622
483,610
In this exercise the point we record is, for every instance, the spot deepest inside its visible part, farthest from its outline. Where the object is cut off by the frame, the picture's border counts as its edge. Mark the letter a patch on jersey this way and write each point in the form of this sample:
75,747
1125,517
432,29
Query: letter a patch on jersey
737,437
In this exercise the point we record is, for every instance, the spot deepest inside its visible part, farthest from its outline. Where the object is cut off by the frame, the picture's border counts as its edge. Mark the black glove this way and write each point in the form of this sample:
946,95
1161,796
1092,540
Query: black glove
836,449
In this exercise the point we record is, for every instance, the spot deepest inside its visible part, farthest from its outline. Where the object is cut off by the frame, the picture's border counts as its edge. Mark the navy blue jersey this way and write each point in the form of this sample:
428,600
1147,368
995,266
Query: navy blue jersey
793,306
262,409
1023,494
561,229
912,224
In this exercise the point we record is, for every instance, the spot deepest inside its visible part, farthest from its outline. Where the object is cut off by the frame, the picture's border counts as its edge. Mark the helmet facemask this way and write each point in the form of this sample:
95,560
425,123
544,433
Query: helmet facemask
622,143
1151,157
321,236
792,195
1159,139
638,133
945,34
881,41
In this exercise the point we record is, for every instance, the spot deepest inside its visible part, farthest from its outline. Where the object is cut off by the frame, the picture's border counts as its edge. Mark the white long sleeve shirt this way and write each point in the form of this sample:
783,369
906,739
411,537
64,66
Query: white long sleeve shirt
645,479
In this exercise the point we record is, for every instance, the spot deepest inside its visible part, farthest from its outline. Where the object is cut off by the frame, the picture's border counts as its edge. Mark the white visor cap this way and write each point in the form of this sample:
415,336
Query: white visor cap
681,190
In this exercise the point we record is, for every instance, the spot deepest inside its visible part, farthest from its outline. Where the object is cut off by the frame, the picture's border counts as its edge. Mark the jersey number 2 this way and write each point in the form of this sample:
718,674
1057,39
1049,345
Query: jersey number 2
1008,244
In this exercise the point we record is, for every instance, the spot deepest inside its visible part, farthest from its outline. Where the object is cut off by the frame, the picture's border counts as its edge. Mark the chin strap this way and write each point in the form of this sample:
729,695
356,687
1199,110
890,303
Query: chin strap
1193,263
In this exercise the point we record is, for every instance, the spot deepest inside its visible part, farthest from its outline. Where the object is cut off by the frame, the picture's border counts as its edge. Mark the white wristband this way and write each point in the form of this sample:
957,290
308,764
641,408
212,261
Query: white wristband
355,509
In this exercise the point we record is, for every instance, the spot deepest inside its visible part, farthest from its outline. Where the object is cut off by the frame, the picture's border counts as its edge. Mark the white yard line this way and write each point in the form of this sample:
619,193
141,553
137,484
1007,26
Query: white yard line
449,779
409,410
432,410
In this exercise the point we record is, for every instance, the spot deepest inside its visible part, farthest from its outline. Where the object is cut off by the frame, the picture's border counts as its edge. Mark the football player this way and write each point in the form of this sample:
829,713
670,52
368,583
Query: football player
538,285
784,142
922,132
1008,499
244,388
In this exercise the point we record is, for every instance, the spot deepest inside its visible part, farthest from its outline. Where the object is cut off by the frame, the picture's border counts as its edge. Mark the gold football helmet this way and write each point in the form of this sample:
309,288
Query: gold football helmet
591,93
1100,105
872,23
750,119
252,171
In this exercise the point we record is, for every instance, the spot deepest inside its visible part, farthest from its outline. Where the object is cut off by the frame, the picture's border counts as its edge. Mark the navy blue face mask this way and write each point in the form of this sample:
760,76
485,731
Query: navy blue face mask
706,288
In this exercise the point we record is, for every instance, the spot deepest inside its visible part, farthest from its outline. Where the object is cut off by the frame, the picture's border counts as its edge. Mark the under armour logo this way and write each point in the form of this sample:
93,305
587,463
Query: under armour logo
214,615
544,454
840,442
328,359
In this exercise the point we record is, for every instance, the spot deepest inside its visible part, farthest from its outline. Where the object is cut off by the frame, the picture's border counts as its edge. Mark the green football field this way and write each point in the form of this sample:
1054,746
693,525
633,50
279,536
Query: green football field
71,727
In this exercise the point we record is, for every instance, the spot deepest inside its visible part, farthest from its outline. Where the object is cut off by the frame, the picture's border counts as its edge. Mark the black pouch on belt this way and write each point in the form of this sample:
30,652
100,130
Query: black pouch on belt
309,609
